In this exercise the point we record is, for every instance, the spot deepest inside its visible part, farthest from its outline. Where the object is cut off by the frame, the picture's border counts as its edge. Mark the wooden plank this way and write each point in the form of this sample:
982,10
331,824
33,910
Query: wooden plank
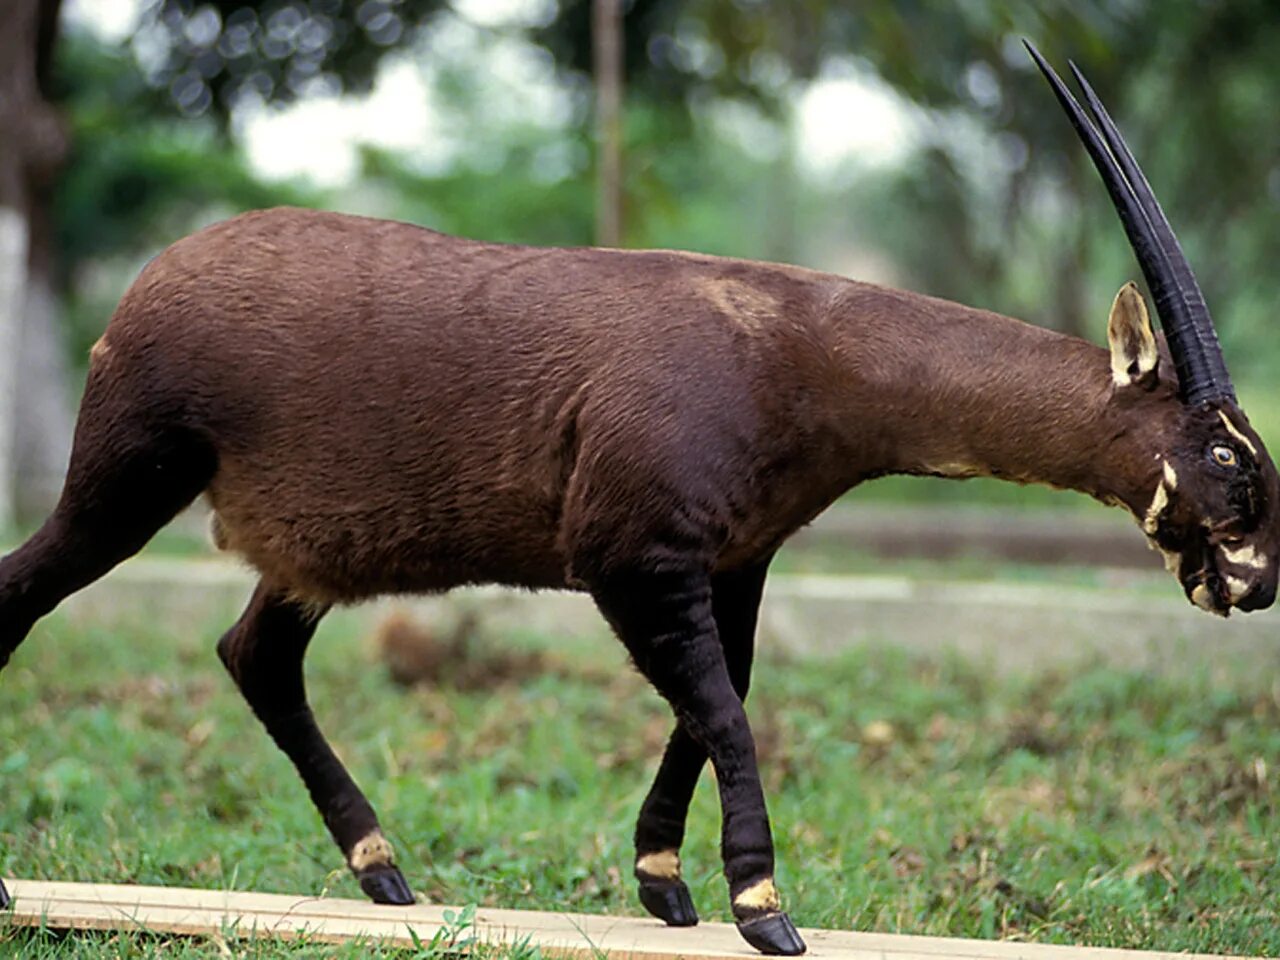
87,906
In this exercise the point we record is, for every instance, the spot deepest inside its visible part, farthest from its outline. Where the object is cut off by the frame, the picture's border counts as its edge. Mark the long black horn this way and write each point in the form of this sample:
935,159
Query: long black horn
1188,327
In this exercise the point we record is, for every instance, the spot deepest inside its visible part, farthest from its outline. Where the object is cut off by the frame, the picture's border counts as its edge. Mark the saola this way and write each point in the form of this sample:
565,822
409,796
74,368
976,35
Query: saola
374,408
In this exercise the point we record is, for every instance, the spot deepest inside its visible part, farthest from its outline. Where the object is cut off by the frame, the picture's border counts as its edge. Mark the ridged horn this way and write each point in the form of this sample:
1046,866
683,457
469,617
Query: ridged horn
1184,316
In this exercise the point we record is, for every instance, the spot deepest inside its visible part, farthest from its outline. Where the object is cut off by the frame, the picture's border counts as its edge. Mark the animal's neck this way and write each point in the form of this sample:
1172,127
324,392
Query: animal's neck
945,390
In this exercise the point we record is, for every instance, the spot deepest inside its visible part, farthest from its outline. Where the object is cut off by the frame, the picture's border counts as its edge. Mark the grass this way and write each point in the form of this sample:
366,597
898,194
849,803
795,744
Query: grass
1087,806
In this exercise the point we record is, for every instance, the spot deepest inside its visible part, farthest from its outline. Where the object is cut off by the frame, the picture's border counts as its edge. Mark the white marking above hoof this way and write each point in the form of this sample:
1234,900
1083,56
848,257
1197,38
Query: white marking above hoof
663,865
762,895
372,850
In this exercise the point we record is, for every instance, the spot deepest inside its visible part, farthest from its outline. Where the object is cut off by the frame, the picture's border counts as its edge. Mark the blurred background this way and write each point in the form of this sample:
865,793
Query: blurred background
906,142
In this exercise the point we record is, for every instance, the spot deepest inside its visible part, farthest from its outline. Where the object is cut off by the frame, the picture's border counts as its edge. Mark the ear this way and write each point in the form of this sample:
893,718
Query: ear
1133,344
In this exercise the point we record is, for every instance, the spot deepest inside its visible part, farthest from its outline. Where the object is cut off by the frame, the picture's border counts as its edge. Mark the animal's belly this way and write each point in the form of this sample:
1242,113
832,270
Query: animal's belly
343,554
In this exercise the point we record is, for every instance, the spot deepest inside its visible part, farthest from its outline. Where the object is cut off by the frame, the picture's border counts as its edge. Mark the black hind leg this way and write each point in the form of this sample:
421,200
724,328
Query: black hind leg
263,652
123,485
735,604
4,897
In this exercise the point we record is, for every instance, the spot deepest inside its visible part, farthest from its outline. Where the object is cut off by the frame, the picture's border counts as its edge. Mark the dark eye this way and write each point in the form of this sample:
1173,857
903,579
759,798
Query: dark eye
1222,455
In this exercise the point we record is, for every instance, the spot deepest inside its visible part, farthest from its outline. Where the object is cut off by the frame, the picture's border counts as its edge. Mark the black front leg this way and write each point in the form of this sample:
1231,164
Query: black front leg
735,605
666,621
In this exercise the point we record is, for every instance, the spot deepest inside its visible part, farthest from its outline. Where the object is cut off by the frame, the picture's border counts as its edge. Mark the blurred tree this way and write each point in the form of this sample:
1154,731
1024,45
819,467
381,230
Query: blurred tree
34,433
506,193
215,55
606,59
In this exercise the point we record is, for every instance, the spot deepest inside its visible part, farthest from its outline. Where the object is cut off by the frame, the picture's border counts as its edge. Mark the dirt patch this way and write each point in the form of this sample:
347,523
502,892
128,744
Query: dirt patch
457,655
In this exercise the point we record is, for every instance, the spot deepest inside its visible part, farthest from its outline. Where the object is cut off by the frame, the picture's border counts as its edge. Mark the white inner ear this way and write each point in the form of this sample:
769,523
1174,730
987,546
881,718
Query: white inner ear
1132,341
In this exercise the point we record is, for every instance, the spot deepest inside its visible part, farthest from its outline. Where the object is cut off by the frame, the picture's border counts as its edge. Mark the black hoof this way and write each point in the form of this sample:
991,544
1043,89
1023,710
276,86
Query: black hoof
4,897
669,901
386,884
774,934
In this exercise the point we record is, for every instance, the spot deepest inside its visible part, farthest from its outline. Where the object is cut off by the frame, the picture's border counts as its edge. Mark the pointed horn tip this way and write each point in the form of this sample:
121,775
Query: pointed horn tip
1031,49
1080,77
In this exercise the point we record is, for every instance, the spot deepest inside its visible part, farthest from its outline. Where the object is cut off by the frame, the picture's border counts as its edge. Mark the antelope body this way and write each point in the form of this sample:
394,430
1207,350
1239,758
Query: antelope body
399,410
375,408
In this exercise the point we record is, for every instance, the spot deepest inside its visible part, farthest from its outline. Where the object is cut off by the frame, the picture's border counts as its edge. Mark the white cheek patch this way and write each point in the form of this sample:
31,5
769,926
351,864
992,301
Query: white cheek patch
1237,433
1170,475
1151,521
1236,588
1245,556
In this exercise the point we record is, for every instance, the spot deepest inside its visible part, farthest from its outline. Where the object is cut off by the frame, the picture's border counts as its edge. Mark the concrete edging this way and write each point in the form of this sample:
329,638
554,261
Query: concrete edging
1014,626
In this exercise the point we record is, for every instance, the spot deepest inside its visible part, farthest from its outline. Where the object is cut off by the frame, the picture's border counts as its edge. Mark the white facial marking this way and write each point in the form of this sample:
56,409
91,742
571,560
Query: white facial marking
663,865
1245,556
1203,599
1172,560
1236,588
1236,432
759,896
1152,520
371,850
1170,475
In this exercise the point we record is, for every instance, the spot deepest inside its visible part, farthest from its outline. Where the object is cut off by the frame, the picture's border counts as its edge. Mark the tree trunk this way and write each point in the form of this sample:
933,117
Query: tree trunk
606,29
31,149
42,435
13,275
1070,316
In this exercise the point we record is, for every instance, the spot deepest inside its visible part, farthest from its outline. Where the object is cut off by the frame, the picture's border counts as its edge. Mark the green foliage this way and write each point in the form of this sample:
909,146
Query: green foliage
508,204
684,194
215,55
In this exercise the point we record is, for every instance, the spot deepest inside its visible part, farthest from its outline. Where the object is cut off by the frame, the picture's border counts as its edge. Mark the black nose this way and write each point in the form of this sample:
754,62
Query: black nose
1259,598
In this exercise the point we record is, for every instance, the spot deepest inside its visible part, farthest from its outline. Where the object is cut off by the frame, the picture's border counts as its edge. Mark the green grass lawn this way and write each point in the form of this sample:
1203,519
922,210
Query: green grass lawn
1087,806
